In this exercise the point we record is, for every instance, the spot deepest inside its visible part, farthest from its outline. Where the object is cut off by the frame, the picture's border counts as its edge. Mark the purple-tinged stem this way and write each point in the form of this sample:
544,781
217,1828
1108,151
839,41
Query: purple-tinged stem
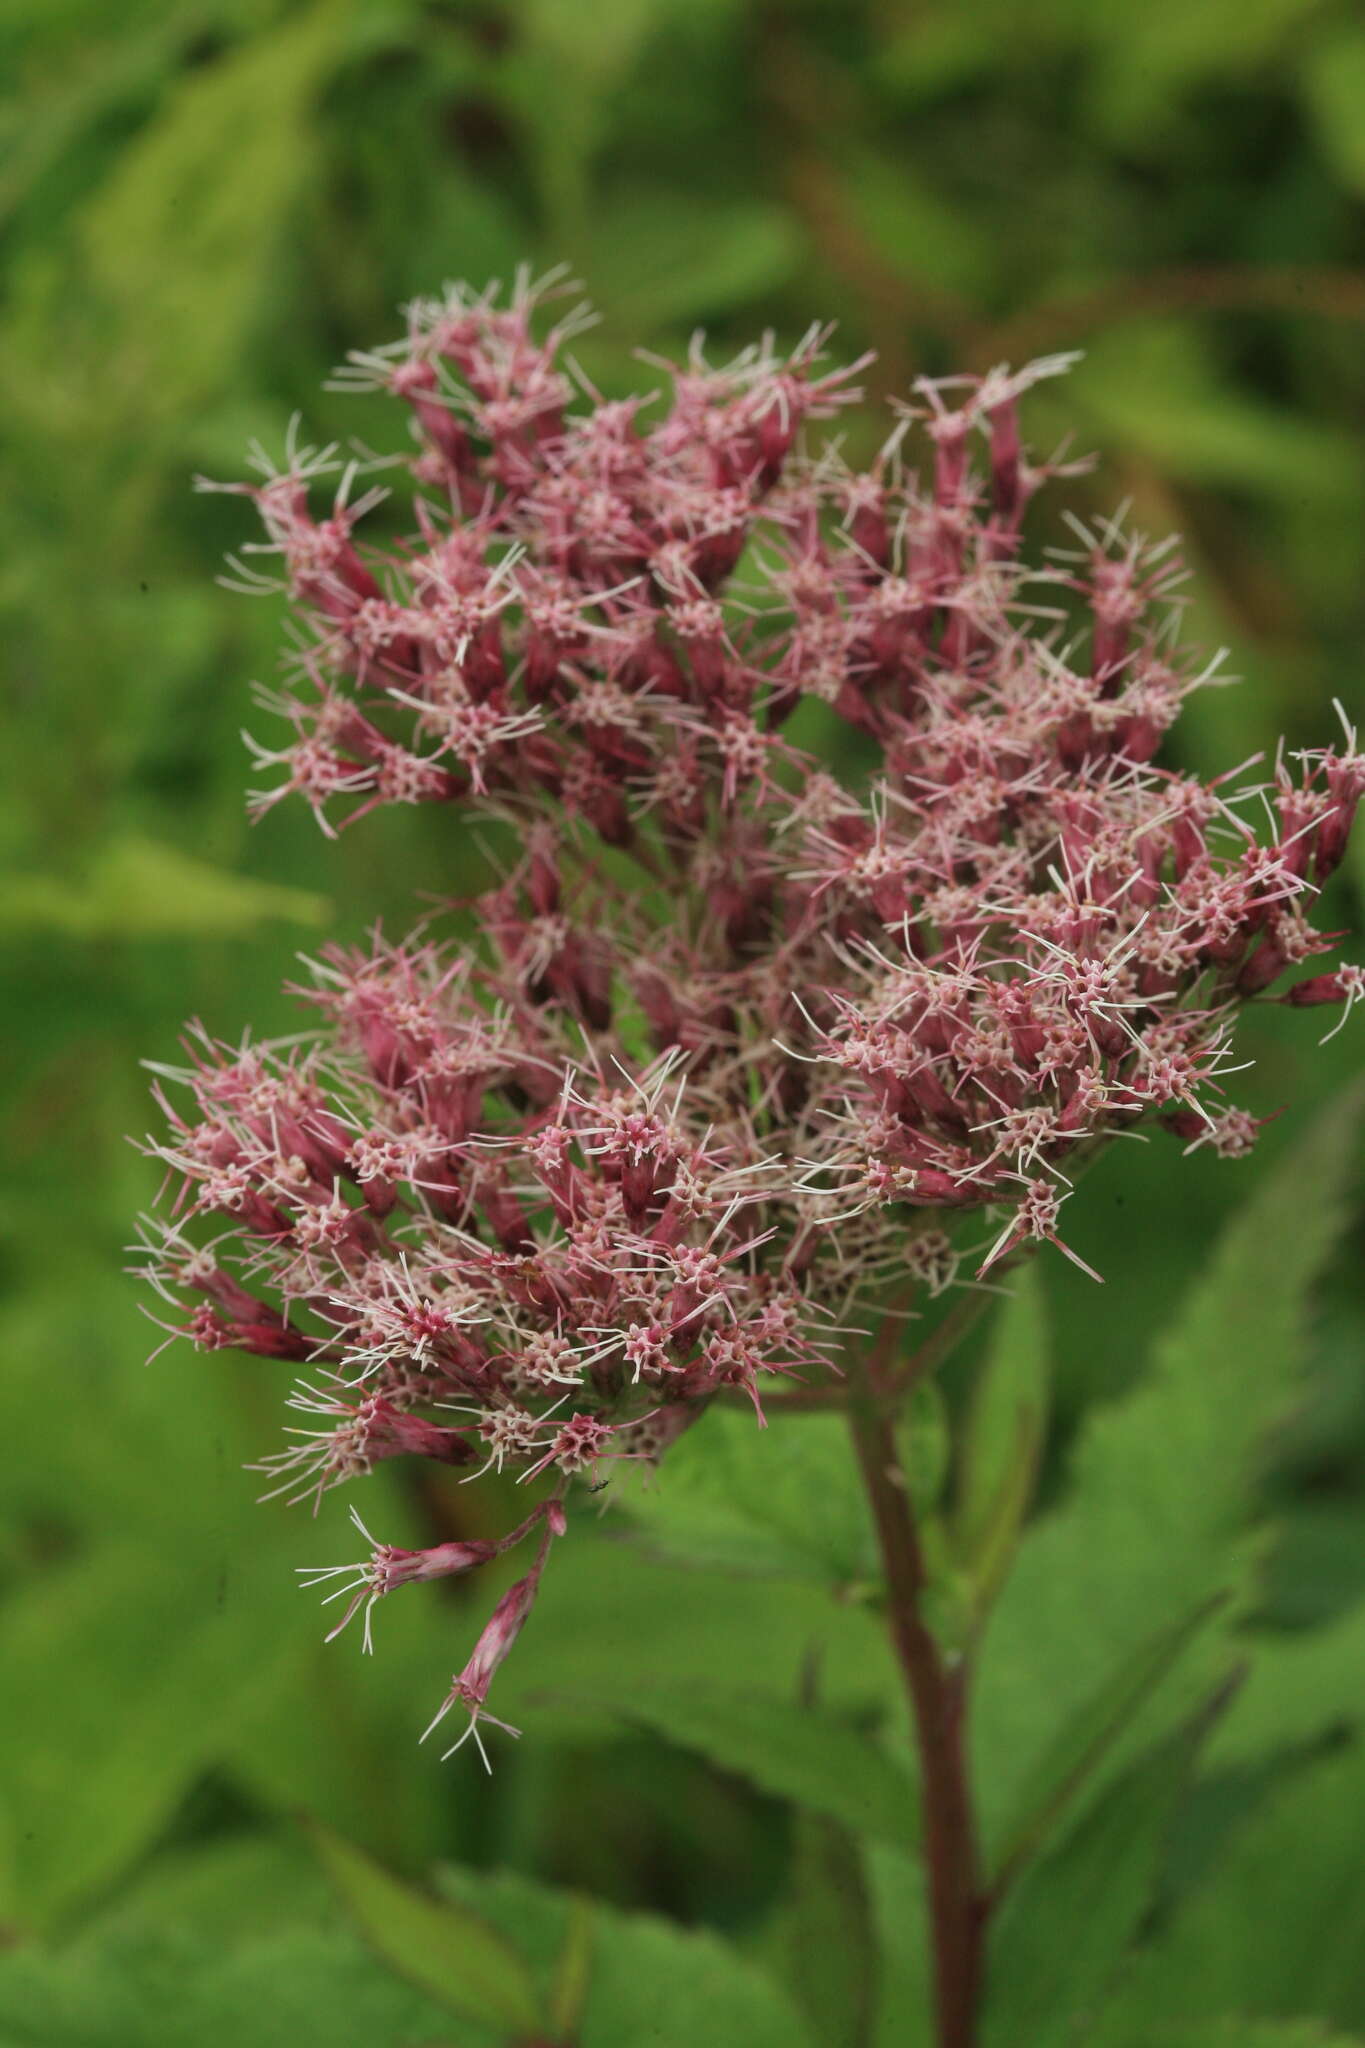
937,1697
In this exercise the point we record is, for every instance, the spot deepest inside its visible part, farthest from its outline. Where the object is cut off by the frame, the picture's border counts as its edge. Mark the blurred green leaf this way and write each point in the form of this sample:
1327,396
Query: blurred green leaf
1064,1930
924,1441
119,1676
573,1968
139,889
224,1892
289,1990
830,1943
1299,1688
666,256
443,1949
1154,385
1003,1440
563,82
926,237
1236,2032
900,1916
1155,1521
651,1980
1153,59
795,1752
179,242
1274,1930
1334,89
1084,1739
106,74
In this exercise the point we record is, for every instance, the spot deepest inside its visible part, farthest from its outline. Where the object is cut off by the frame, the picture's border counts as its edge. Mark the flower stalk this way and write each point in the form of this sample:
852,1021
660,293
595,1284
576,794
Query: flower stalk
936,1691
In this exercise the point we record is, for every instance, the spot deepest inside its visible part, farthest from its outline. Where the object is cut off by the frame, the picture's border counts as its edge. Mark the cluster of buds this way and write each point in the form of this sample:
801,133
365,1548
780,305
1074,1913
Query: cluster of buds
734,1040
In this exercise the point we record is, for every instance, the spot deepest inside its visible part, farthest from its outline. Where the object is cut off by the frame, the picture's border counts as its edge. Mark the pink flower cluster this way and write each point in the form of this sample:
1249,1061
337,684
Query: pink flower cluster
736,1039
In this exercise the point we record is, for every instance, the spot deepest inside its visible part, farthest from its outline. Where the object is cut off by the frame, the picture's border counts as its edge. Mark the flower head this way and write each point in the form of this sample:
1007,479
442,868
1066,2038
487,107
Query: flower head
532,1197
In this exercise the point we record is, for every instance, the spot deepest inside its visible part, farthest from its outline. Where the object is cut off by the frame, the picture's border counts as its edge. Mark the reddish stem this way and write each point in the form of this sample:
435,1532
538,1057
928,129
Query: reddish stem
937,1696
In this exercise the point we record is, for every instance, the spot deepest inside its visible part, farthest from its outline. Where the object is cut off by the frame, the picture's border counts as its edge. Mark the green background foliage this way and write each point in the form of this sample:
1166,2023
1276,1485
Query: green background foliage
204,203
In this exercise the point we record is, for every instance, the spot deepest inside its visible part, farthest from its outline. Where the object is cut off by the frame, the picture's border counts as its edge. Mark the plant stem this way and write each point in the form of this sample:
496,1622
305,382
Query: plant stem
937,1697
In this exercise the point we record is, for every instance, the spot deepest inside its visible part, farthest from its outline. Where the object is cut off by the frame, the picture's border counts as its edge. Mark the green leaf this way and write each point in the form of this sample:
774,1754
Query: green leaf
1155,1520
137,888
226,1891
900,1915
650,1982
567,84
1159,56
121,1676
290,1990
674,1987
1003,1441
1065,1929
1235,2032
179,243
1154,384
786,1503
913,226
804,1754
573,1969
1084,1740
1274,1928
1334,91
107,77
608,1614
924,1441
664,256
1299,1688
445,1949
830,1941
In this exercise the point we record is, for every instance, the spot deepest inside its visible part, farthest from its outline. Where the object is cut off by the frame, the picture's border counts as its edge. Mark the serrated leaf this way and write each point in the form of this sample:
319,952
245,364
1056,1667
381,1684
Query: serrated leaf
1082,1742
1274,1928
608,1614
1064,1931
448,1951
733,1495
1299,1688
1156,1518
803,1754
1003,1440
175,259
